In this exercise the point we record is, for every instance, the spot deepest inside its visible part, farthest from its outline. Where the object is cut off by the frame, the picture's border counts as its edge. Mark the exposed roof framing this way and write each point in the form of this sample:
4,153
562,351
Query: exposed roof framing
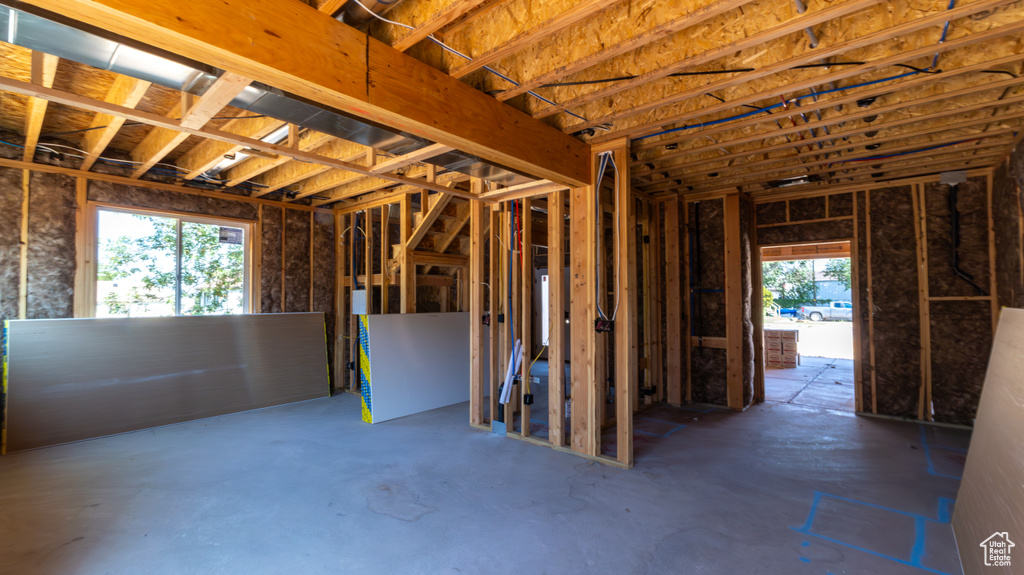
888,90
639,69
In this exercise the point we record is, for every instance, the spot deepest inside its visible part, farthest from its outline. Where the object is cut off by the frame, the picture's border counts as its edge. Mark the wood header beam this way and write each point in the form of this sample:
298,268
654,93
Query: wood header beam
293,47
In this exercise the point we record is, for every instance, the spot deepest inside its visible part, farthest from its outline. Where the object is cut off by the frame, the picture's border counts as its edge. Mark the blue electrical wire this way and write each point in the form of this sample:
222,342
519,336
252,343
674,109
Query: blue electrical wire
928,149
779,105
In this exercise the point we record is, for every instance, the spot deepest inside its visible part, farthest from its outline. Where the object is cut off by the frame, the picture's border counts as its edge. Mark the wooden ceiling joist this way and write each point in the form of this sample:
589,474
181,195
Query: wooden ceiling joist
314,56
924,163
283,171
654,149
162,141
438,18
527,190
632,41
84,103
208,153
44,70
503,47
645,128
839,140
125,91
796,23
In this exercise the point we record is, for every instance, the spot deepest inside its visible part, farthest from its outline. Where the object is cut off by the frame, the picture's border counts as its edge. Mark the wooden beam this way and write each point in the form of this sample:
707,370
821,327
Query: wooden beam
527,190
476,308
314,56
556,315
733,303
443,260
341,304
624,222
385,247
673,304
437,206
526,308
587,401
494,282
26,179
389,196
420,155
82,293
124,91
455,226
208,153
214,99
285,171
162,141
44,70
407,267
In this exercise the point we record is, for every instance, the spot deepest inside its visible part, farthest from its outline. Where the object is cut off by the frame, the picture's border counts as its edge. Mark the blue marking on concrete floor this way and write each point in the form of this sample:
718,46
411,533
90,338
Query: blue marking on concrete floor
928,455
943,516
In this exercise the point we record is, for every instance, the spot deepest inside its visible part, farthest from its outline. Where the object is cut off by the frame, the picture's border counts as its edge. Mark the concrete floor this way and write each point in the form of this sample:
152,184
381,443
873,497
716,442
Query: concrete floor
308,489
817,382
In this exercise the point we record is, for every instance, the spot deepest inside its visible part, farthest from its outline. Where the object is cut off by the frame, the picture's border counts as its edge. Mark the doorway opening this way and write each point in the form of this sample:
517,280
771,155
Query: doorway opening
809,308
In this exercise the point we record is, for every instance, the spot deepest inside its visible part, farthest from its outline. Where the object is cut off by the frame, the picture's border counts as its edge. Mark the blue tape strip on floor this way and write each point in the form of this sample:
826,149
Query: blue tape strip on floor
944,515
928,455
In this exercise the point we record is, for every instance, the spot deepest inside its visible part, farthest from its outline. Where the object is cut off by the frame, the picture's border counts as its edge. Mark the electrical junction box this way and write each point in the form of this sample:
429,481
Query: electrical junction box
358,302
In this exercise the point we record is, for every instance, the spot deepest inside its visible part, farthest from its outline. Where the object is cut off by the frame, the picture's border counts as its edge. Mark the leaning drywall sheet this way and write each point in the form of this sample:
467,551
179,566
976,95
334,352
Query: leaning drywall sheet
72,379
989,517
419,362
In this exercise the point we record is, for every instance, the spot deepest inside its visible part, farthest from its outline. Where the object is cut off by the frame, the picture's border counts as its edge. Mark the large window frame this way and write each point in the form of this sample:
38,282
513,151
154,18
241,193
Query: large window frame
86,301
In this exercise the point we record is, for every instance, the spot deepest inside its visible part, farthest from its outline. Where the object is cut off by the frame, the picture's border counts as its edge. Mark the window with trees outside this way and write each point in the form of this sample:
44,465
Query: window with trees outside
160,264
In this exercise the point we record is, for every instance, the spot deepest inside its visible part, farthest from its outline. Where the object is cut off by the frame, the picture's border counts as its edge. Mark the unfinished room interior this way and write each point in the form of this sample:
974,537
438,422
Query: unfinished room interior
480,286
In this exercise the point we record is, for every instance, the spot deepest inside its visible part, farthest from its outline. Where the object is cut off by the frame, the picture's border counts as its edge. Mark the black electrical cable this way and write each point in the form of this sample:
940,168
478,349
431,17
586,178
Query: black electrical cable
718,72
133,124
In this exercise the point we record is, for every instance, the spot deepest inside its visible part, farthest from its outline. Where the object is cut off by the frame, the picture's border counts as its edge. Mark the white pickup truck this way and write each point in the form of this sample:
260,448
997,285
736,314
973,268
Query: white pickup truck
837,310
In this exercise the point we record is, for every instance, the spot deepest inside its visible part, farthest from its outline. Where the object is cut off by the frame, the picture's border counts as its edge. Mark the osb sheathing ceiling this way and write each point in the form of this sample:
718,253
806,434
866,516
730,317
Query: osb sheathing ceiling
686,85
713,95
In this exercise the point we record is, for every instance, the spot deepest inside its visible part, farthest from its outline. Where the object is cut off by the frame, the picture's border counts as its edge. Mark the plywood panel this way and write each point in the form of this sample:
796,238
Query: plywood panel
989,501
122,374
418,362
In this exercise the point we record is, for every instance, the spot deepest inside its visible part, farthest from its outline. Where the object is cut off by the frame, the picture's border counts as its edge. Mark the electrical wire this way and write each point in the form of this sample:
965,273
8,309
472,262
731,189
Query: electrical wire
606,159
133,124
795,100
175,173
468,58
928,149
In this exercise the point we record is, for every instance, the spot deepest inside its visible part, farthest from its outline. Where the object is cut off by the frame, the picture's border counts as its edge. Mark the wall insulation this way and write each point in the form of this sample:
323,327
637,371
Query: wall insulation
706,280
1009,227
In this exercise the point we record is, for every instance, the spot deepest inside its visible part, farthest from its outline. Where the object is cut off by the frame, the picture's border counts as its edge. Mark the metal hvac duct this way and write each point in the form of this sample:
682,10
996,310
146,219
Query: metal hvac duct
87,46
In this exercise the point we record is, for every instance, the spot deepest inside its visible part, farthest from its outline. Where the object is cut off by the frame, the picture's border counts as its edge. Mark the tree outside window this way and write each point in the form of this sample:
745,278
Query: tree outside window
153,265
